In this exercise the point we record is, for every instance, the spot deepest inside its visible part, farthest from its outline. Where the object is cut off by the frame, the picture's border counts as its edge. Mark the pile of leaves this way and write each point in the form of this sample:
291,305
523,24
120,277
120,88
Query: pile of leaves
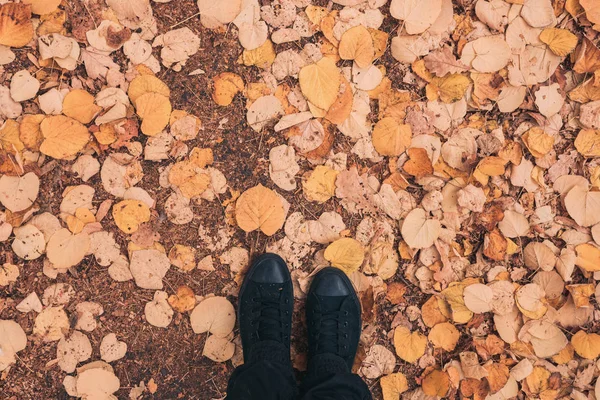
451,148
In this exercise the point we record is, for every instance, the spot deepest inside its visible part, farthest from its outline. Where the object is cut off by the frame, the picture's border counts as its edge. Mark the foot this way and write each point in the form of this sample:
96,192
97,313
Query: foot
265,309
333,316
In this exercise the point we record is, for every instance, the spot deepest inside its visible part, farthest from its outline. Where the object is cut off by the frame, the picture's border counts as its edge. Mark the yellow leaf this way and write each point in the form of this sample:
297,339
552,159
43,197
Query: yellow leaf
444,335
260,208
225,87
315,14
357,44
586,92
52,23
587,142
393,385
183,257
560,41
391,138
41,7
262,56
155,110
29,131
419,163
538,142
565,355
409,346
588,257
129,214
143,84
448,89
10,140
63,136
497,376
106,135
189,178
320,184
380,41
581,294
346,254
16,28
492,166
183,300
320,82
587,345
79,105
436,383
454,295
435,311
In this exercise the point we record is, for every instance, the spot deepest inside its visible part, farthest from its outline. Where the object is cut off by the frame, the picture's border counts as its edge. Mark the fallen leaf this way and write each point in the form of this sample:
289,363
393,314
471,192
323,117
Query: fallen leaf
215,315
581,205
357,44
586,345
225,86
320,185
320,82
417,16
155,111
418,231
63,136
587,142
260,208
409,346
183,300
560,41
346,254
444,335
391,138
129,214
393,385
19,193
16,28
436,383
588,257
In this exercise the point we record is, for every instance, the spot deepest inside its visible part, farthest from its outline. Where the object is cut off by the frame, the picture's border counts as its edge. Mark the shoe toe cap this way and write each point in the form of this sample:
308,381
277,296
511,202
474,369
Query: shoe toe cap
270,268
333,283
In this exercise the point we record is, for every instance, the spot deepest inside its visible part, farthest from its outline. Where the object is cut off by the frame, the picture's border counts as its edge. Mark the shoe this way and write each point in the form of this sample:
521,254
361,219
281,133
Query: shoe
265,309
333,316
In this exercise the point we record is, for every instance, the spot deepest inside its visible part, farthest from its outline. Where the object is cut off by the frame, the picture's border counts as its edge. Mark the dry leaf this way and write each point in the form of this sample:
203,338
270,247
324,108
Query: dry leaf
346,254
436,383
586,345
417,15
392,386
129,214
63,137
357,44
155,111
409,346
588,257
320,82
320,185
444,335
16,28
560,41
260,208
587,142
418,231
391,138
225,86
582,205
215,315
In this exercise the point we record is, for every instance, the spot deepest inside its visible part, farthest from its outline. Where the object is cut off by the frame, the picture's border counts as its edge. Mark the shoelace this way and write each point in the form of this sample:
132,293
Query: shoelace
270,320
330,331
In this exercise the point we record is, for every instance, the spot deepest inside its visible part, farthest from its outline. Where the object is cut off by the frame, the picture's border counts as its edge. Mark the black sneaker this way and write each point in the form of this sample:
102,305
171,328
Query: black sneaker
265,307
333,316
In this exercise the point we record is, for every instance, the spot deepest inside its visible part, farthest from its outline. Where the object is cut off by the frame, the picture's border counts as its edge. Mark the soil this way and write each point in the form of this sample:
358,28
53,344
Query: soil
173,357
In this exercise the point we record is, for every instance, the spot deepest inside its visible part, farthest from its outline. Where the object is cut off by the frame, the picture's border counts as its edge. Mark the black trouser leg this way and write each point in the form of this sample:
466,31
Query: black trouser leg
269,377
329,379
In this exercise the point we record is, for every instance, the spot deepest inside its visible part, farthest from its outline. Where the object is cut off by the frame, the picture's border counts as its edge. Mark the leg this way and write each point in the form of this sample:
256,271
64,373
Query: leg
334,324
265,315
262,380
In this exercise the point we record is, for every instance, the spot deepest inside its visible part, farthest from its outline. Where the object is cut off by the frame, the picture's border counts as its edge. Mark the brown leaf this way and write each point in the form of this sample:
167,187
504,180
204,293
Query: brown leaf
443,62
587,57
419,164
495,245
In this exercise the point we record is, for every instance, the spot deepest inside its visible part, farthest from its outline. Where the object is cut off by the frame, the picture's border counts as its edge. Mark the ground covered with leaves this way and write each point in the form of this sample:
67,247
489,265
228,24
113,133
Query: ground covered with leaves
443,153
